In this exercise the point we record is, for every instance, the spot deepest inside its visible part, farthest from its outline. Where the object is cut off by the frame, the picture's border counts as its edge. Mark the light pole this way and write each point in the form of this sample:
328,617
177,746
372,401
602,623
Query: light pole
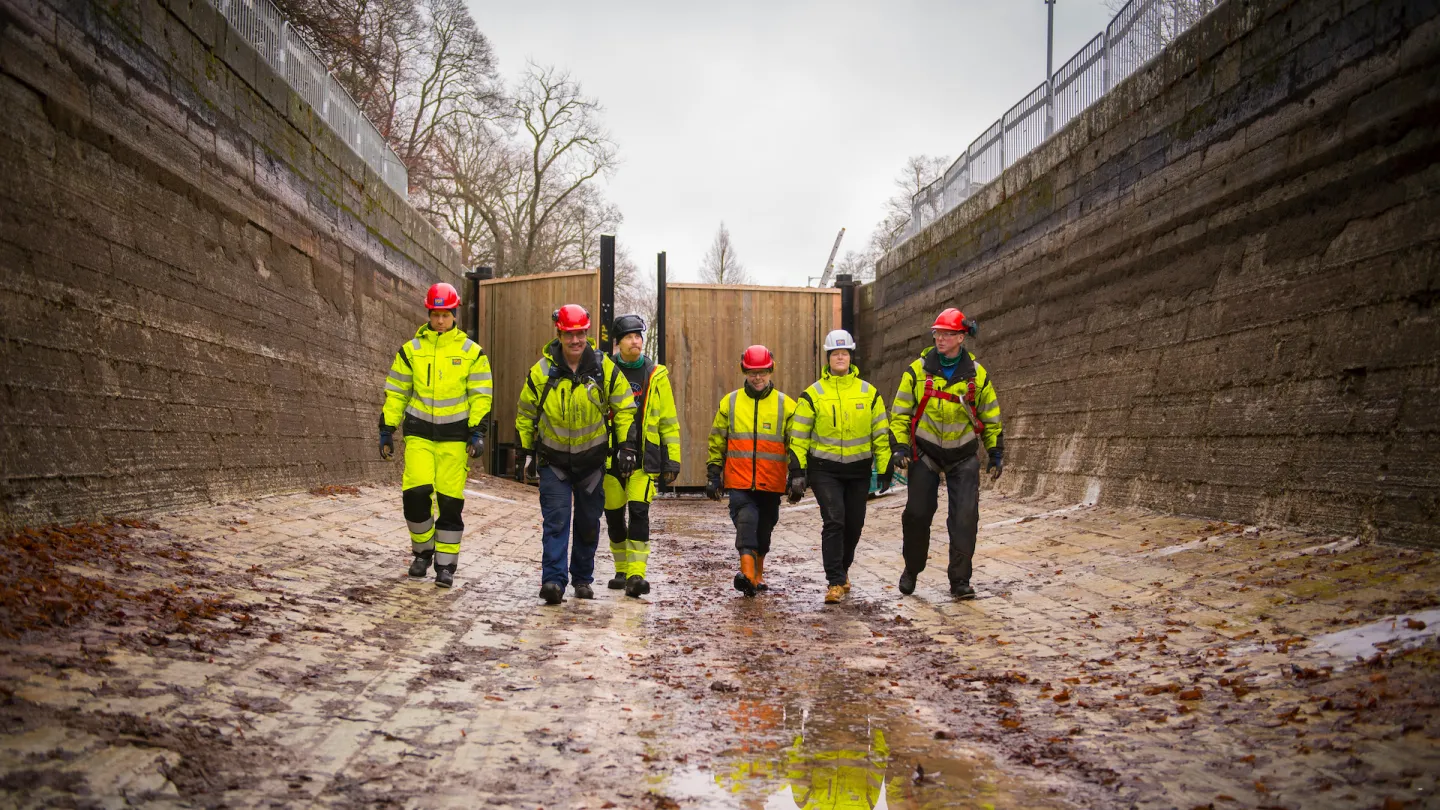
1049,69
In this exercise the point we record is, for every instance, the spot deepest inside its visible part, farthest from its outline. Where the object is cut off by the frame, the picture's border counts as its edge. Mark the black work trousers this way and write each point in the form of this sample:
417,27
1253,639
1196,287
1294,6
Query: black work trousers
962,479
754,514
842,511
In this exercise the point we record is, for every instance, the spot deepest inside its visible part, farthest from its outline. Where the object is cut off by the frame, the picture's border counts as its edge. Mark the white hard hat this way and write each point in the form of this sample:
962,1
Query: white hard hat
839,339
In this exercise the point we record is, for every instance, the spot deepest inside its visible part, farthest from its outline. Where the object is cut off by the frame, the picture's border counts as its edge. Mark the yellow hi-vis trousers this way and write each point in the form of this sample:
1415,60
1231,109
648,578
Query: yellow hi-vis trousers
435,469
627,516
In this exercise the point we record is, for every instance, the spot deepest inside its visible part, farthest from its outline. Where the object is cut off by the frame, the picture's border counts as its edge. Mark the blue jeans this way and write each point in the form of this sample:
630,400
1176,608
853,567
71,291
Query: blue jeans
555,498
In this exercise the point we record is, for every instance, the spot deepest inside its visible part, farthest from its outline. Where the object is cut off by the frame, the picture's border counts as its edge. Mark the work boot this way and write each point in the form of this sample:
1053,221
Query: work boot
846,586
636,586
907,582
618,581
444,575
760,586
962,591
745,580
552,593
584,592
420,565
834,594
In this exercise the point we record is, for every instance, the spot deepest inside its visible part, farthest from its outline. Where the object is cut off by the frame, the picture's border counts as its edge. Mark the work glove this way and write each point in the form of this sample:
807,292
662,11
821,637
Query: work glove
521,455
997,464
796,490
387,444
476,446
712,482
883,481
900,456
625,461
667,478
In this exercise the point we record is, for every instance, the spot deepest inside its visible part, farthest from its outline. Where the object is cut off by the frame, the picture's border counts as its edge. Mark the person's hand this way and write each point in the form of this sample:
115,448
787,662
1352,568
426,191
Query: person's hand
476,446
997,464
520,456
796,490
668,477
625,461
712,483
883,482
387,444
900,456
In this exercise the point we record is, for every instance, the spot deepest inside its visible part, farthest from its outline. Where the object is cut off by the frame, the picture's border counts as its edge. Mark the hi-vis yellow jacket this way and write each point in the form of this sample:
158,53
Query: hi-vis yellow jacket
567,417
748,437
840,426
440,385
957,410
656,430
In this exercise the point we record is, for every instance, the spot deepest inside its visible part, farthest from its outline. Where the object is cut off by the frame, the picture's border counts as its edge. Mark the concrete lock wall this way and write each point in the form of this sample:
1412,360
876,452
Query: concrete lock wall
200,287
1214,291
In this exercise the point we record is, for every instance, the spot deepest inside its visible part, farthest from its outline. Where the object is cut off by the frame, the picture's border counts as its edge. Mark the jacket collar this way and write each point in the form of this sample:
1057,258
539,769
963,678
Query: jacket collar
590,361
930,363
852,375
451,334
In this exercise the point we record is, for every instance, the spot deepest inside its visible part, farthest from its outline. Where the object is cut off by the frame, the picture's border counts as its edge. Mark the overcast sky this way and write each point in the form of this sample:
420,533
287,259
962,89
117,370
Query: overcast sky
785,120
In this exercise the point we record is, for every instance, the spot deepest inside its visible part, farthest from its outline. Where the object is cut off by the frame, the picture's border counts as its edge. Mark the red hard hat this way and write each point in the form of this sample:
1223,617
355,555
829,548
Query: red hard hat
571,318
954,320
757,357
442,296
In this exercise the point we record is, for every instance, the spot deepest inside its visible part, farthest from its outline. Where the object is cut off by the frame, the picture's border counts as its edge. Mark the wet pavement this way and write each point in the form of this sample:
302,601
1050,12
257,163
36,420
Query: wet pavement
272,653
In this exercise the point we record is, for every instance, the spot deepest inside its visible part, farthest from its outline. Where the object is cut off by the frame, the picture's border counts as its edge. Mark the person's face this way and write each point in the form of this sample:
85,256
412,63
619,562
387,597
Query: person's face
631,346
840,362
948,342
757,380
573,343
442,320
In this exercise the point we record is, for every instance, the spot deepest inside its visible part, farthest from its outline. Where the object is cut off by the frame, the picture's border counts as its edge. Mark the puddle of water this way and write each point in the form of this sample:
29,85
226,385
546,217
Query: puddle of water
1366,640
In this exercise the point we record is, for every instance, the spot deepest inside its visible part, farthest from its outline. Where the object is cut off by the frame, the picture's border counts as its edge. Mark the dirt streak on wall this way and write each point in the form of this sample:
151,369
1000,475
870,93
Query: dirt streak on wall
1214,292
200,286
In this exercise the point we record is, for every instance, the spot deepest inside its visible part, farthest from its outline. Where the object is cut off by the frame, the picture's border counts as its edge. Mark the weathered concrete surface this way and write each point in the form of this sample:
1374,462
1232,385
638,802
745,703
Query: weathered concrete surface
273,653
1213,292
200,284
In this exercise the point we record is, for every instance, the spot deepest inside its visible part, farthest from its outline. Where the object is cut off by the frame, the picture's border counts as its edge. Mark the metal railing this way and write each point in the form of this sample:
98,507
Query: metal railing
1137,34
262,25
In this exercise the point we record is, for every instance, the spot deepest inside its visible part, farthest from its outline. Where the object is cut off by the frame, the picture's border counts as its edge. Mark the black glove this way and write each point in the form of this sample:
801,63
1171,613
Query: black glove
387,444
900,456
997,463
667,478
712,482
883,482
520,456
476,446
796,490
625,461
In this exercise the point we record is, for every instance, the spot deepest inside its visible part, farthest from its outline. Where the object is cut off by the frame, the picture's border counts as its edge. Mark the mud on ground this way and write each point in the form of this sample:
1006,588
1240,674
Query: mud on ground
273,653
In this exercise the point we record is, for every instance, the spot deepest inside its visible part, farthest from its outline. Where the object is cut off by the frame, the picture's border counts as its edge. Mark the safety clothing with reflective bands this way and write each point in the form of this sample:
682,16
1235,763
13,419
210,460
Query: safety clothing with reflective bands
627,517
955,410
841,426
656,430
434,495
566,417
749,437
439,387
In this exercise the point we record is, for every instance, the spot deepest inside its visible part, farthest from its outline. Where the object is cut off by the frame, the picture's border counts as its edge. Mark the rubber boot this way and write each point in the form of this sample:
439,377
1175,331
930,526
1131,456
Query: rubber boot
636,586
760,585
420,565
444,575
834,594
618,581
745,580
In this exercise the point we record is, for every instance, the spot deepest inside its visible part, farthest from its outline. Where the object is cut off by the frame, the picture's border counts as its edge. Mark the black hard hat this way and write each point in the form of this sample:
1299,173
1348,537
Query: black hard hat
625,324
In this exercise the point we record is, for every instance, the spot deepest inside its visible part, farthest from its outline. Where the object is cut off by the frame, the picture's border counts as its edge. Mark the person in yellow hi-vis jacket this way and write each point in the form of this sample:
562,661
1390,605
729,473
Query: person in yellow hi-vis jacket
839,434
747,459
575,405
656,435
439,385
945,407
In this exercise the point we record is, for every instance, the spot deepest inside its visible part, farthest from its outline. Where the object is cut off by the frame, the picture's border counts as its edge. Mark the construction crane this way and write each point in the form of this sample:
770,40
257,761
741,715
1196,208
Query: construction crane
830,263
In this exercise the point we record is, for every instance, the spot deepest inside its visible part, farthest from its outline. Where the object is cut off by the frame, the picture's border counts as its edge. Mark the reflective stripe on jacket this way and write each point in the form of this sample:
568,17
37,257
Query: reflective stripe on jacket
841,423
748,437
570,428
439,386
656,431
949,425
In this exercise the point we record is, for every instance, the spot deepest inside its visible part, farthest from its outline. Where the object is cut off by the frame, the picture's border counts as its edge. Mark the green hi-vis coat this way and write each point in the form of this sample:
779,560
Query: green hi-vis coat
439,386
951,423
840,425
566,417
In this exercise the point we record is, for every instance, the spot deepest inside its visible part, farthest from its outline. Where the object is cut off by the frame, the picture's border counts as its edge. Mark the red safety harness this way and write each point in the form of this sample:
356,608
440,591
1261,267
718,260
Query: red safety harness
931,392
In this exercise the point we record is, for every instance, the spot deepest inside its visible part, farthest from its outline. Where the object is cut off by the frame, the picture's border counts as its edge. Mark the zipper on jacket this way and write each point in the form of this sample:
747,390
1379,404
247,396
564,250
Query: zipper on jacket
755,448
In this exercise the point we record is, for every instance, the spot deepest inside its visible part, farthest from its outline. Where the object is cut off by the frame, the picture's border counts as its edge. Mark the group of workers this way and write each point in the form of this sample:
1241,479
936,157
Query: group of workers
601,435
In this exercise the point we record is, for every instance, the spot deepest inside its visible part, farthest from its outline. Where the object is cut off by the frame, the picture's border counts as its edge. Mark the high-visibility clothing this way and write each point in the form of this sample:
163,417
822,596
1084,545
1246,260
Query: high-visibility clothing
439,386
434,482
957,409
748,436
566,417
656,430
627,515
841,425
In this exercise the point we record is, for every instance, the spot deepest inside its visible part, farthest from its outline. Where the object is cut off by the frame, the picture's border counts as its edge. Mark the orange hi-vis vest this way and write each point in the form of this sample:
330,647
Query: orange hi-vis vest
748,437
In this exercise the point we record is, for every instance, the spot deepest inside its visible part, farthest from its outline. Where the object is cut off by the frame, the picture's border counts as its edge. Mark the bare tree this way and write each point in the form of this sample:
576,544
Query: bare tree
721,265
634,290
1163,21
